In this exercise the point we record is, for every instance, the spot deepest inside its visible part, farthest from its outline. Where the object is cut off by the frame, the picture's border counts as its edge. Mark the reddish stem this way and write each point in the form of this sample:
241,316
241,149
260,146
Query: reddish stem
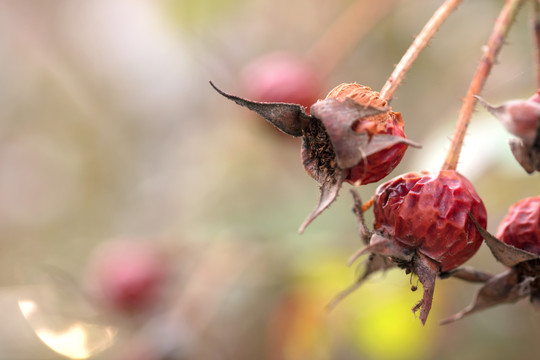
495,42
345,32
416,47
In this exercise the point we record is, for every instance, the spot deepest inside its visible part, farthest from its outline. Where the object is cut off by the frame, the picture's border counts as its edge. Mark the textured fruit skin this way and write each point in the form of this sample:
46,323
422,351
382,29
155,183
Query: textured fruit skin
281,77
428,212
521,225
378,165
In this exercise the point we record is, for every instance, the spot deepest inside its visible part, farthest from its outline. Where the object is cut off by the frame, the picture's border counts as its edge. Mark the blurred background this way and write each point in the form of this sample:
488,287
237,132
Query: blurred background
143,216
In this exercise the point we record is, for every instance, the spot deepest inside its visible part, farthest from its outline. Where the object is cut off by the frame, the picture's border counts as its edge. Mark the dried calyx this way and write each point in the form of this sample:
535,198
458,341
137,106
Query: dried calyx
522,119
351,136
422,225
517,246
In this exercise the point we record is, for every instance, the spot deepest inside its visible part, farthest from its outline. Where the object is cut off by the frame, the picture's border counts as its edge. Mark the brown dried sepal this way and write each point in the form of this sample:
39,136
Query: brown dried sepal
521,280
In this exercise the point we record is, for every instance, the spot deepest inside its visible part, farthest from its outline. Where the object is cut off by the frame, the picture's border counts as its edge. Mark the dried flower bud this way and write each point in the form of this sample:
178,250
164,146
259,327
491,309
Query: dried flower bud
522,119
342,139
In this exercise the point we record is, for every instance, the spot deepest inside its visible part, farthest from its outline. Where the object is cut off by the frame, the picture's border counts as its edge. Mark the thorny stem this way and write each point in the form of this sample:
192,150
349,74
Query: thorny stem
419,43
535,24
495,42
345,32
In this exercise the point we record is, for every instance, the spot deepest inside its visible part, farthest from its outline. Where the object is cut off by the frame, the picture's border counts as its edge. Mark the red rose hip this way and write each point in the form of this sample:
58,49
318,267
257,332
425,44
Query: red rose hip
429,213
378,165
521,225
423,222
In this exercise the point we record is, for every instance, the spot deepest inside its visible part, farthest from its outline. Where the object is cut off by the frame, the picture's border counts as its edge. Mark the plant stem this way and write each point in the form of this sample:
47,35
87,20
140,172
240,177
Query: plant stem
536,31
416,47
345,32
495,42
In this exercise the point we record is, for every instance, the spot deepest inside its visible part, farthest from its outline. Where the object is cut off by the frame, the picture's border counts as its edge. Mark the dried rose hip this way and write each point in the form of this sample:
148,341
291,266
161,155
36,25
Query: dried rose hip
352,136
379,164
517,247
522,119
422,223
521,225
281,77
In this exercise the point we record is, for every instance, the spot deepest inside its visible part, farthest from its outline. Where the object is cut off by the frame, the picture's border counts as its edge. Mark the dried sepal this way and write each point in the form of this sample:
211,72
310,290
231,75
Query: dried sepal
338,118
504,253
468,274
521,280
329,190
375,262
427,271
528,156
289,118
501,288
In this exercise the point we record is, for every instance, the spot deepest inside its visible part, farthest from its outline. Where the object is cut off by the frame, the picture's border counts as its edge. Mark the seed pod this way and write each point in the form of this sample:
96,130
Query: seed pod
522,119
342,139
518,247
422,223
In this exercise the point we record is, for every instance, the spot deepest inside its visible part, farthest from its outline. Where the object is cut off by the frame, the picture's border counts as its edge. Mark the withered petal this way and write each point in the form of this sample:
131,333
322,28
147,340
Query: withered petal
504,253
351,147
289,118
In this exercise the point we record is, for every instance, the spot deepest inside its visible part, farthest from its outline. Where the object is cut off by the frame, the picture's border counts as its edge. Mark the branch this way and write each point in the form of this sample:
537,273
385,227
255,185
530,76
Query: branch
495,42
419,43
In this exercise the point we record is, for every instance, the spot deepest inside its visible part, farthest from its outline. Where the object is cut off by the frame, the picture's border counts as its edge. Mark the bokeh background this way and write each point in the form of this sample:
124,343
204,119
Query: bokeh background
109,131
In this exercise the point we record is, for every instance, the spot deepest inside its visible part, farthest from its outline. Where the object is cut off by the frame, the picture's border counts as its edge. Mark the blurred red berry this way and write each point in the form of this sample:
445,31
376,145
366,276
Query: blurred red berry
521,225
128,275
281,77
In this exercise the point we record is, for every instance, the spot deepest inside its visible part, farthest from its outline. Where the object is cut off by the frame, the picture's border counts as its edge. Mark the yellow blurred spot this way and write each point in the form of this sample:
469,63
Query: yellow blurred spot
376,318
